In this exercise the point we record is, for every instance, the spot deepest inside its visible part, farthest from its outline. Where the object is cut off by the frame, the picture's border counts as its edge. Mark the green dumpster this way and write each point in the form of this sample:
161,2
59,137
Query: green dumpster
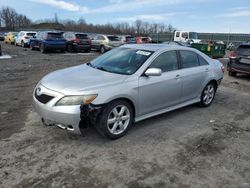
211,49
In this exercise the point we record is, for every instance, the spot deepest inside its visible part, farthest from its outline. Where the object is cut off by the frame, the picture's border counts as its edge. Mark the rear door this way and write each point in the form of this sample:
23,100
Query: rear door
193,74
160,92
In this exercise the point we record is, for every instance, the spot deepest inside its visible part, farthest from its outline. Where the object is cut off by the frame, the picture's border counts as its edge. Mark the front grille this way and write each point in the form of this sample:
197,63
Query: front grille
43,98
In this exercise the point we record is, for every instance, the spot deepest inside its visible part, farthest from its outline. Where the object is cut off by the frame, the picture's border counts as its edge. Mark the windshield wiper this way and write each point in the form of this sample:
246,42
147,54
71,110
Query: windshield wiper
99,68
102,68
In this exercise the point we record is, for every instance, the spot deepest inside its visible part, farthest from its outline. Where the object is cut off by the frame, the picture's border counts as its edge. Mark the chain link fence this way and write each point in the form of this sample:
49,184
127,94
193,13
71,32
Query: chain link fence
227,38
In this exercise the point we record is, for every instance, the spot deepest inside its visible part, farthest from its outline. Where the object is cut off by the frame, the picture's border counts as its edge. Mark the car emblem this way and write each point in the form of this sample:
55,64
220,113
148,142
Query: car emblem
38,91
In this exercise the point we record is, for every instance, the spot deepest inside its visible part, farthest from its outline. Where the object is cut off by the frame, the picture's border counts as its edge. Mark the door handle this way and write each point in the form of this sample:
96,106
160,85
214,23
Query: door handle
206,70
177,77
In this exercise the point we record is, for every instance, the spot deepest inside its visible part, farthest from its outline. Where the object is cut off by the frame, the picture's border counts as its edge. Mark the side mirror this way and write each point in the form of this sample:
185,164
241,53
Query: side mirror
34,36
153,72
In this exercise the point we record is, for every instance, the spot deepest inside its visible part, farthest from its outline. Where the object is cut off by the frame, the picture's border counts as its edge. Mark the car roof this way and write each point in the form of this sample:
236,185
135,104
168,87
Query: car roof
155,47
245,43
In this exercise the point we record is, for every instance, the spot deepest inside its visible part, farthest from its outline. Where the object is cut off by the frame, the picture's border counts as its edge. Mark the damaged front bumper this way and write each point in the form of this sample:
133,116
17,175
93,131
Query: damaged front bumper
89,114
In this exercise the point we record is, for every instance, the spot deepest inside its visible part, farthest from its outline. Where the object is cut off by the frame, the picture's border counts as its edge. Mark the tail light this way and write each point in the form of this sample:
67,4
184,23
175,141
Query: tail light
222,68
232,54
76,40
89,40
26,37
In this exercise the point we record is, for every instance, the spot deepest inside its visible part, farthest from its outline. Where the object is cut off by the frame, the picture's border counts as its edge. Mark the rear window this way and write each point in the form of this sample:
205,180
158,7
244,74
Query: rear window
130,38
54,36
81,36
145,39
31,34
113,38
244,50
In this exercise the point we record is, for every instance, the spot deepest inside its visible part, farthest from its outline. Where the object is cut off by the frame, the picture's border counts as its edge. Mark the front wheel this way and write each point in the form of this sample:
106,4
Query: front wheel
208,94
115,120
232,73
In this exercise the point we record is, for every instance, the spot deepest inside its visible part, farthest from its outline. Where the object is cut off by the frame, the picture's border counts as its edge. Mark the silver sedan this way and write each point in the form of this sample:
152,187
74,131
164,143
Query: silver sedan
127,85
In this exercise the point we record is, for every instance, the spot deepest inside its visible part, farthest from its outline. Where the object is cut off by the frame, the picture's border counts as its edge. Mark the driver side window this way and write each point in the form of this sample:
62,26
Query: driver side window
167,61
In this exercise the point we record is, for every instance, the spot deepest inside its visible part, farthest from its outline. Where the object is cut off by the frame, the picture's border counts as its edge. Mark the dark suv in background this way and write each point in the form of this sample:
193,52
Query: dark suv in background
77,42
48,40
239,60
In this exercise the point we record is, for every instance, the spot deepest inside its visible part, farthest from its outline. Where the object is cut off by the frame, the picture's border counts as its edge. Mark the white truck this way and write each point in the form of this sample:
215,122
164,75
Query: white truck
186,36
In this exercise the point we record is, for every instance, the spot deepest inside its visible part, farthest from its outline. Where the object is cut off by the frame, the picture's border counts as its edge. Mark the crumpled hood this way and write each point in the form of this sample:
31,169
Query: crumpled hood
80,79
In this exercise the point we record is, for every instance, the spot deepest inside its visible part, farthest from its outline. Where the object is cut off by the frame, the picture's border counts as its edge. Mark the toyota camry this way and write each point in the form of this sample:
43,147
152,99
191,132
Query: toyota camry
126,85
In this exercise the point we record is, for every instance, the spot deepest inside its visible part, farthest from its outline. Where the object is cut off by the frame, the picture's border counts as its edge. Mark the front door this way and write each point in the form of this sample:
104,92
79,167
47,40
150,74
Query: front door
159,92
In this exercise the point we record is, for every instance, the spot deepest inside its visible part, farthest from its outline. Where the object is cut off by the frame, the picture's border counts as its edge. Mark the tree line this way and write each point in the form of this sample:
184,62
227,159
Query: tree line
11,20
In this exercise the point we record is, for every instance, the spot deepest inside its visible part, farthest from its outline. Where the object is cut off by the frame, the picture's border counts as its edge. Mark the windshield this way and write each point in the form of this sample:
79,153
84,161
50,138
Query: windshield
81,36
55,36
121,60
193,35
31,34
113,38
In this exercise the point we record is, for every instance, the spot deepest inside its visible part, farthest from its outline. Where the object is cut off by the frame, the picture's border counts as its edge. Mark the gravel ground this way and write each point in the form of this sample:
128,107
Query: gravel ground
189,147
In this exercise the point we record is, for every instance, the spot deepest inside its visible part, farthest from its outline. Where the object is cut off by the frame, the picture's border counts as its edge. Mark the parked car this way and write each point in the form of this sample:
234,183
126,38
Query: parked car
127,39
127,85
104,43
177,43
239,60
1,36
10,38
77,41
48,40
23,38
143,40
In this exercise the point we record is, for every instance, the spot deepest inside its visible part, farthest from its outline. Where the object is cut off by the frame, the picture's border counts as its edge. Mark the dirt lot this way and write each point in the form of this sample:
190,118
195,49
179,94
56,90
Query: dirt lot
190,147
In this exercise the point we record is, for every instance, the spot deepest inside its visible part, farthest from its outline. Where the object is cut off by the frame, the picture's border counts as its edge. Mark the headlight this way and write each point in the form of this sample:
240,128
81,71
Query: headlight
76,100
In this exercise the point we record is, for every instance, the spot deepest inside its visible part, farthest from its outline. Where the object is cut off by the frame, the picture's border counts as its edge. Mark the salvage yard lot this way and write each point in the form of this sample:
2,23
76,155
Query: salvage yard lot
190,147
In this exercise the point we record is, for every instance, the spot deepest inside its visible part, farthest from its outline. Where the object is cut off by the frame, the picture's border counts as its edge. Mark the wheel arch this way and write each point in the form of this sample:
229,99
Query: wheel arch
127,100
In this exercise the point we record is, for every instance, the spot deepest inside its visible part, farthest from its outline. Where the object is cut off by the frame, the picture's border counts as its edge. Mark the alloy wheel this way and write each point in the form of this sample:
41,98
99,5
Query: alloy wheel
208,94
118,119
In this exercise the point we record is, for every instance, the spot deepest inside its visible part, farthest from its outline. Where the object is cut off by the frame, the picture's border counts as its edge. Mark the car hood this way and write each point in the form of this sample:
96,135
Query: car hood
80,79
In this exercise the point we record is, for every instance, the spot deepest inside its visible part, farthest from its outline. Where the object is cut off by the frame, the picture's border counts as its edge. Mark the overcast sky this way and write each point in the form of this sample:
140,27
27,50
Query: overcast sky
192,15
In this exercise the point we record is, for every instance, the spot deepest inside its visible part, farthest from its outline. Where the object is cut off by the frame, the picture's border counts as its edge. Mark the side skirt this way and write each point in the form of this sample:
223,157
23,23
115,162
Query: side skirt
149,115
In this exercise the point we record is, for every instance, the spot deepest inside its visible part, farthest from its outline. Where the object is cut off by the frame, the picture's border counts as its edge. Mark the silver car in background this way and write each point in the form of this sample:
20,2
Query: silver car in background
126,85
105,43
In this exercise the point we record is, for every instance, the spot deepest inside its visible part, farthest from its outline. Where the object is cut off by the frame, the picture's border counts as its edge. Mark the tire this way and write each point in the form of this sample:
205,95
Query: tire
42,49
102,49
70,48
22,44
119,122
208,94
232,73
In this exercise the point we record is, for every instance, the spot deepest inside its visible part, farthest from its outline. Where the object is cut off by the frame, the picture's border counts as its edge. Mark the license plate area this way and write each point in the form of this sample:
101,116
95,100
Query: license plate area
245,61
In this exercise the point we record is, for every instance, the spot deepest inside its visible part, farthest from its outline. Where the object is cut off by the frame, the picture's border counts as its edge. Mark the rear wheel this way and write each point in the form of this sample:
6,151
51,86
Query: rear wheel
70,48
232,73
115,120
103,49
42,48
208,94
23,44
